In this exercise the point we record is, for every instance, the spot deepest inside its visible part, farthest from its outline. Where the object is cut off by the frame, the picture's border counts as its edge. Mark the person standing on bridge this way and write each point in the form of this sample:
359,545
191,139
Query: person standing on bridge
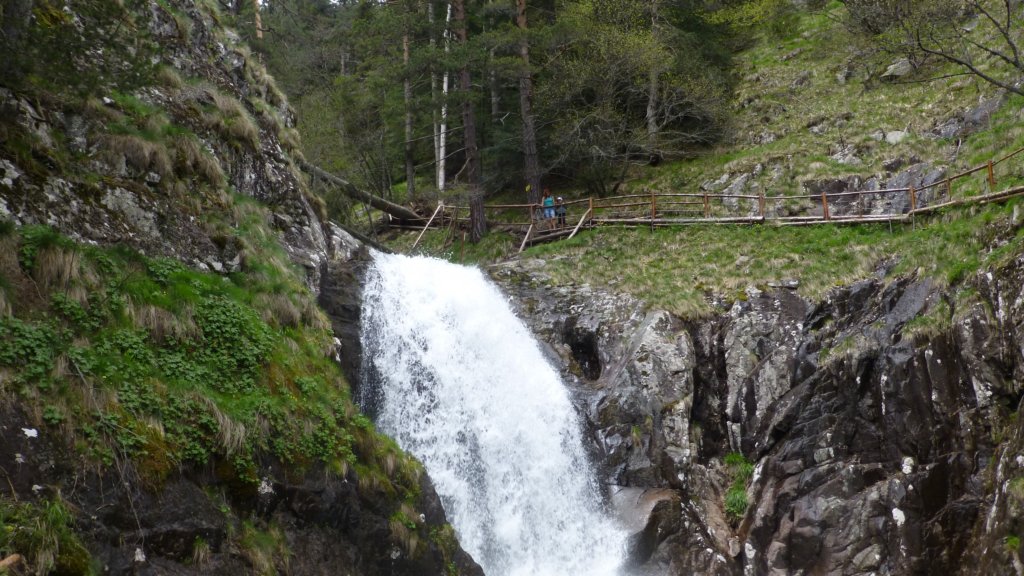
549,204
560,211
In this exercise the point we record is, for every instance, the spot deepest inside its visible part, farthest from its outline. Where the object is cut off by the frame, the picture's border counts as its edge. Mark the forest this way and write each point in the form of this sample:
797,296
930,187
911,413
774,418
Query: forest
420,100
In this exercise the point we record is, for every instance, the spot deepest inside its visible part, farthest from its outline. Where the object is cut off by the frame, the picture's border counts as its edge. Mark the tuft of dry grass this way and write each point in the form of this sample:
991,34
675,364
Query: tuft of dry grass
169,77
162,325
279,310
95,108
314,317
59,269
5,304
138,153
265,549
194,158
200,552
232,120
232,435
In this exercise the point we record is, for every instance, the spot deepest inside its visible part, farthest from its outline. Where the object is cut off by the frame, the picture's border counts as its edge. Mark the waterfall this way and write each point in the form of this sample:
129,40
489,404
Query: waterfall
459,381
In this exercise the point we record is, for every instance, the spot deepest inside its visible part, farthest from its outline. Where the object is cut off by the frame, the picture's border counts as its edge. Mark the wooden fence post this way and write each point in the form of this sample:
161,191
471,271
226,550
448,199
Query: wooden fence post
707,207
949,188
991,177
913,198
591,222
760,204
654,209
824,206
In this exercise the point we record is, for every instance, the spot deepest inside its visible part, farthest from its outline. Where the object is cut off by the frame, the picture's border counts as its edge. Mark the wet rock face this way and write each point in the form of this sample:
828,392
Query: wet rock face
326,525
340,296
881,423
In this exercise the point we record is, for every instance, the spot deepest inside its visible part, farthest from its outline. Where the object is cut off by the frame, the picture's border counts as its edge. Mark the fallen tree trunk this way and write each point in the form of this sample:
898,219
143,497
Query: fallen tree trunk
10,562
396,210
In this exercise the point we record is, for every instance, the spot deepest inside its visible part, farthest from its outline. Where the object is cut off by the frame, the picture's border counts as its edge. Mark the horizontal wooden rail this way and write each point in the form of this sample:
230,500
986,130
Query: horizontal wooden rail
632,205
675,208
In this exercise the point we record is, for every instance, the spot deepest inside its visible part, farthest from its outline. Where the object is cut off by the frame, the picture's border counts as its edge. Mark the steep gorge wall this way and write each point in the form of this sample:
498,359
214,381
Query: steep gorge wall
881,423
155,130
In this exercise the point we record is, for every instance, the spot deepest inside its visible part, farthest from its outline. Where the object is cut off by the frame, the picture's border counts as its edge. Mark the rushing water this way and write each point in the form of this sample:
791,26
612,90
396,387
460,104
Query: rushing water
459,381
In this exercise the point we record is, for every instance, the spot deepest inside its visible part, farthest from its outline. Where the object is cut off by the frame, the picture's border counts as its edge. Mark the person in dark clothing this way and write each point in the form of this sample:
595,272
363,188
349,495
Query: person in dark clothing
560,211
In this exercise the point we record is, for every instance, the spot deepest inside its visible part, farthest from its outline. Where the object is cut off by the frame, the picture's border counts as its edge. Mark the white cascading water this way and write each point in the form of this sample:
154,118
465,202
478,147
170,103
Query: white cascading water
459,381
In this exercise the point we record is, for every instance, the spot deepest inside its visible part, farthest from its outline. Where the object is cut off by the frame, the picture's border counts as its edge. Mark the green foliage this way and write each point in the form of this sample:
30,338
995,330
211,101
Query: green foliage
43,532
52,45
1012,543
740,470
736,501
36,239
235,343
146,359
595,97
29,346
777,16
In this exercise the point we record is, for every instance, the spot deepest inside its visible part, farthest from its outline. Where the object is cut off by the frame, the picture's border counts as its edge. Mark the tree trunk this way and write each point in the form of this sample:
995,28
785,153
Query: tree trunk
350,190
531,164
443,136
652,97
495,96
257,19
410,164
477,221
435,116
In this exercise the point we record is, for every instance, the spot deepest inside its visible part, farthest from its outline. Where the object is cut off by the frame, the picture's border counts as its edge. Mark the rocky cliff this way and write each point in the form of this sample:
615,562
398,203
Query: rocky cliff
170,396
872,432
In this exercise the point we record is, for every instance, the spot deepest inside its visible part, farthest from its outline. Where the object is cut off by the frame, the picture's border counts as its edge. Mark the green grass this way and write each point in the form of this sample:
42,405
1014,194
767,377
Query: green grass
43,532
130,357
497,245
740,471
678,268
768,100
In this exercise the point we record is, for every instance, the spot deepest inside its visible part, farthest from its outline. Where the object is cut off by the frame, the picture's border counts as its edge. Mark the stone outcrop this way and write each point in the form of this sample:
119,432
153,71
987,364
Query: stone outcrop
880,422
920,175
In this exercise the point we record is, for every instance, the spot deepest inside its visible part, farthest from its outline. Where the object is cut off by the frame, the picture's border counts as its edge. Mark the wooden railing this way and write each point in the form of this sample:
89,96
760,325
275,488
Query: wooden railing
664,209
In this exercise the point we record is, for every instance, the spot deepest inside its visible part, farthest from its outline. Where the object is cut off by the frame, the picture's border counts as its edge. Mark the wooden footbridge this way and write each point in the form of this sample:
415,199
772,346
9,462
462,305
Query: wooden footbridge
671,209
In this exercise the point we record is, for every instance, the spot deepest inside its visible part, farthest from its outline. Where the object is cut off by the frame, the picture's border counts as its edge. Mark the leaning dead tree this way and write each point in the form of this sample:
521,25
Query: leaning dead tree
349,189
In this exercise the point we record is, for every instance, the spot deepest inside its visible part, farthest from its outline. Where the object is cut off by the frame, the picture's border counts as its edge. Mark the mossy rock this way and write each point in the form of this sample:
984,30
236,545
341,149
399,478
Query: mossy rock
72,559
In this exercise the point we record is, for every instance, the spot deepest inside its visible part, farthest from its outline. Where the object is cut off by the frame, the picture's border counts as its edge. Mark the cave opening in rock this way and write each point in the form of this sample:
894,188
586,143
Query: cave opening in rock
583,344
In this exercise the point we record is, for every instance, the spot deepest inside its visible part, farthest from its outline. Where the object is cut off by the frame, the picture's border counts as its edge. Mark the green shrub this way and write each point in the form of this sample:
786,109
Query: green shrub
736,501
740,471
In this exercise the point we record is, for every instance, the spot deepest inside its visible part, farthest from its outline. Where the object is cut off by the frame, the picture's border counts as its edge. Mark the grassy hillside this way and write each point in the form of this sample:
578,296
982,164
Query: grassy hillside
805,103
150,368
804,97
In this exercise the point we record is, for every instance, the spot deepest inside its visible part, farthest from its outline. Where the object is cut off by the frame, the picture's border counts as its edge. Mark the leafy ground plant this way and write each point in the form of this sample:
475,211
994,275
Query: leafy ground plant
129,357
